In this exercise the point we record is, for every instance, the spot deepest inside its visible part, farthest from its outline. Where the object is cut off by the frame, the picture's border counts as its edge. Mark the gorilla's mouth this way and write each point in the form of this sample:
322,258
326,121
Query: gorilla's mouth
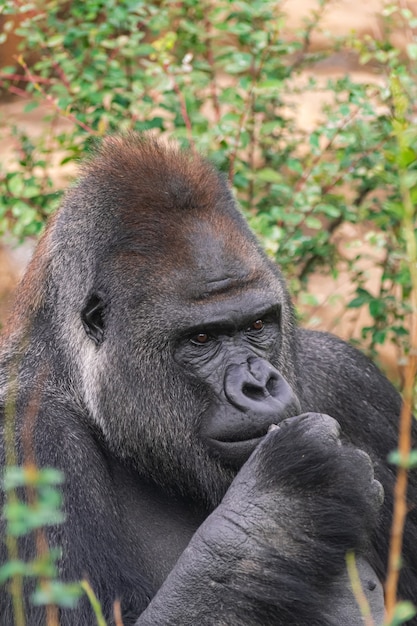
234,452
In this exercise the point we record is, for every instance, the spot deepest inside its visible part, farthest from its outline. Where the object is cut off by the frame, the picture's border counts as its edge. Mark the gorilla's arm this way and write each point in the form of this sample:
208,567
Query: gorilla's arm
337,379
274,550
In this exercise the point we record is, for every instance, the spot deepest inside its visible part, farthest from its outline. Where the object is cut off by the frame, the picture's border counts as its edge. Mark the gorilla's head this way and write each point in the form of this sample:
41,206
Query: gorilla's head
176,330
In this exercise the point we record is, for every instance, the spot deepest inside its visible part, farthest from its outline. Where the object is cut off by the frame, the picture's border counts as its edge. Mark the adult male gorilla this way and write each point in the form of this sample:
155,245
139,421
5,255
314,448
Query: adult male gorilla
157,344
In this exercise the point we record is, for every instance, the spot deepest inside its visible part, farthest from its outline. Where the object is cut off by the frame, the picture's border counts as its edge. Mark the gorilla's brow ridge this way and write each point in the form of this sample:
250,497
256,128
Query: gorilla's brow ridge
227,287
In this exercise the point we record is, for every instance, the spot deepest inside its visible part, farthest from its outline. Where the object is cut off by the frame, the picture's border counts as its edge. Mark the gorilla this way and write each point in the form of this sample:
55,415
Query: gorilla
219,461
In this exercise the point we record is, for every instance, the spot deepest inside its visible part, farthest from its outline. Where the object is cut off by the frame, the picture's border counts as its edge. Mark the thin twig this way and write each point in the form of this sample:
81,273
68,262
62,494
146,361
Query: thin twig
256,74
52,102
404,443
211,62
316,17
16,583
95,604
17,91
117,613
21,78
30,467
183,104
400,490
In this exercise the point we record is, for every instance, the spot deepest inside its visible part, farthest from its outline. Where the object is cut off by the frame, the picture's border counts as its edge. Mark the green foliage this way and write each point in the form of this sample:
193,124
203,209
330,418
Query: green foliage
27,195
40,507
223,76
33,502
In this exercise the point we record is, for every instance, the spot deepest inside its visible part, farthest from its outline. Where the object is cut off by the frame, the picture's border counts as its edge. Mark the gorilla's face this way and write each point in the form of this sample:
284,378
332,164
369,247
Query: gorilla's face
232,344
230,348
190,355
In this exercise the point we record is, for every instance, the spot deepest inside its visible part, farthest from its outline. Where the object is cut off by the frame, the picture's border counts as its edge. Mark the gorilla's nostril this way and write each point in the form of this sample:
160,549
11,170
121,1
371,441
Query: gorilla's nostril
272,385
254,392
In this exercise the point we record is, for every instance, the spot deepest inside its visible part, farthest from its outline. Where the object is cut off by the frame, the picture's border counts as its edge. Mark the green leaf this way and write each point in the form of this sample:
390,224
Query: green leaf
314,140
313,222
55,40
309,299
379,335
363,298
22,518
272,84
403,612
408,462
412,51
268,175
331,210
18,476
377,307
65,595
295,165
12,568
239,62
410,179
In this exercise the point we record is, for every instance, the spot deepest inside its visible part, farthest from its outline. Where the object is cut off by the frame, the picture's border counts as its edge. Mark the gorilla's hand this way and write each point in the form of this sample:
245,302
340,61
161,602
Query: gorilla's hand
302,482
304,491
277,542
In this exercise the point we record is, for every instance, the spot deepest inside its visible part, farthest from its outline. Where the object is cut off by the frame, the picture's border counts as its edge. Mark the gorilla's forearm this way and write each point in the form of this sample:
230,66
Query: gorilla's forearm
247,565
207,588
233,585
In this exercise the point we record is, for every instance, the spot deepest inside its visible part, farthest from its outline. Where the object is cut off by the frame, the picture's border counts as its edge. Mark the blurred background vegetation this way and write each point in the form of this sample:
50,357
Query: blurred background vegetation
231,79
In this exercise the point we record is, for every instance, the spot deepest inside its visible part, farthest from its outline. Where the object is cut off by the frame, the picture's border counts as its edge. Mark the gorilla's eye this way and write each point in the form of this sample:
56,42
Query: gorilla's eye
258,325
200,338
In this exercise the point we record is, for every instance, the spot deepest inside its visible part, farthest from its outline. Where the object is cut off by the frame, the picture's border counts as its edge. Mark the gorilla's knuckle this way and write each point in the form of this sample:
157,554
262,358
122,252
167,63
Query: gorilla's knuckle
325,425
315,427
362,462
378,493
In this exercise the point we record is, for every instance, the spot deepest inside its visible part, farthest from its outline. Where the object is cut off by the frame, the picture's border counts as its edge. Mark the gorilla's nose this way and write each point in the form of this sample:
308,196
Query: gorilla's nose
263,379
258,387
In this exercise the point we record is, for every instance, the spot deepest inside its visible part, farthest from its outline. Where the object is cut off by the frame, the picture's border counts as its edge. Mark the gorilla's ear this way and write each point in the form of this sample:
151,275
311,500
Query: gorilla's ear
92,317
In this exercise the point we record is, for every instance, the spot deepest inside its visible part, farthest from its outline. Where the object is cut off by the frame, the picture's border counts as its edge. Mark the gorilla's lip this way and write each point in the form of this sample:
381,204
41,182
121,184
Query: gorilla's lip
242,436
235,452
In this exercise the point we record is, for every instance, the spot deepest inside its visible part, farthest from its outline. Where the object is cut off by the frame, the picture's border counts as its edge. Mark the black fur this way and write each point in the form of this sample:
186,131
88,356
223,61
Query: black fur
158,344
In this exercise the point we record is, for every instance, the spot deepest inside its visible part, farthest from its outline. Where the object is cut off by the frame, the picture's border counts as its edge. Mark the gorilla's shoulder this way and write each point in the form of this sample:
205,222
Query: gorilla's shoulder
328,354
347,379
